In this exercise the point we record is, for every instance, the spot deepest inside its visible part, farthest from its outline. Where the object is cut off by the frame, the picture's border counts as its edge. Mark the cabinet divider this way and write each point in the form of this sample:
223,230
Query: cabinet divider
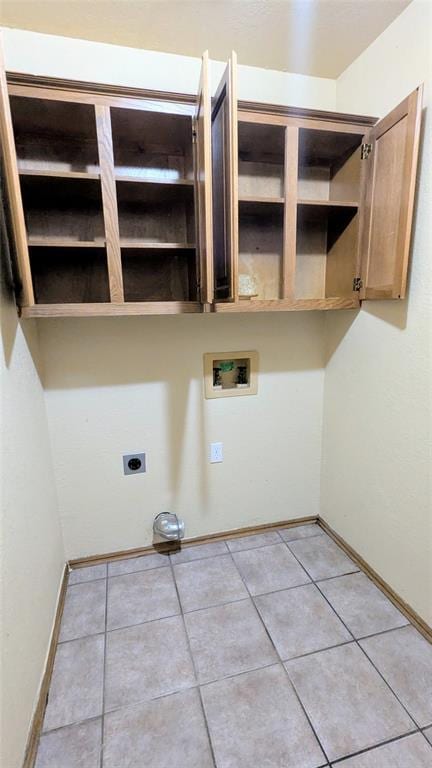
109,202
290,212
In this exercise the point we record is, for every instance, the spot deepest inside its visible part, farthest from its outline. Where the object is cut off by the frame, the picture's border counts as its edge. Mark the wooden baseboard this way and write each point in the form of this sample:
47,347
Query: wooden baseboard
235,533
38,716
400,604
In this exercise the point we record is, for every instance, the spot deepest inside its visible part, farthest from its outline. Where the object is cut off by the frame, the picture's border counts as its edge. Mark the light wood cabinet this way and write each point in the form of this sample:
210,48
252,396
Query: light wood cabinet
318,207
132,202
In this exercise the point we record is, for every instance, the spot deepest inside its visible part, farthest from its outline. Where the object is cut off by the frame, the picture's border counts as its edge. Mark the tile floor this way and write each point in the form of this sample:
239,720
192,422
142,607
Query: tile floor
269,650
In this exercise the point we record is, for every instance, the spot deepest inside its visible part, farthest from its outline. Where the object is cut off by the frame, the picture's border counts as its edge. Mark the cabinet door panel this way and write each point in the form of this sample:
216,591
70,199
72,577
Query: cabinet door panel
9,163
225,180
204,184
389,200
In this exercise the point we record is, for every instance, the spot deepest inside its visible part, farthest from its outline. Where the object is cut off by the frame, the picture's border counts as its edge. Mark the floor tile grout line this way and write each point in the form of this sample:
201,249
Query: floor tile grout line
139,570
109,711
104,678
384,631
275,663
306,714
362,649
206,724
388,684
342,576
302,538
147,700
312,653
422,731
286,673
384,743
195,559
86,583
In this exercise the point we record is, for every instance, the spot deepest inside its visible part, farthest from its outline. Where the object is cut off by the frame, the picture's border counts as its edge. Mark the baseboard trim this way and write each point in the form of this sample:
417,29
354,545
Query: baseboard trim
82,562
38,715
397,601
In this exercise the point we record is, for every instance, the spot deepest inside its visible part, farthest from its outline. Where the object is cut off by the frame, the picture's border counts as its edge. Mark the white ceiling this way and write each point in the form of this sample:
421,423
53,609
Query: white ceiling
313,37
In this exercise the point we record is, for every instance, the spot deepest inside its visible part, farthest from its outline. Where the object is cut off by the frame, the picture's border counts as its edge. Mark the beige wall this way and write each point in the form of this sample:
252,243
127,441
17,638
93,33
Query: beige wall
32,554
66,57
117,386
376,476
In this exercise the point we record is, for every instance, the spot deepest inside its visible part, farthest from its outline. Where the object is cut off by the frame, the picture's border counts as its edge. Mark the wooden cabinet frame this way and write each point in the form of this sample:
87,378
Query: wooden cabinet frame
380,264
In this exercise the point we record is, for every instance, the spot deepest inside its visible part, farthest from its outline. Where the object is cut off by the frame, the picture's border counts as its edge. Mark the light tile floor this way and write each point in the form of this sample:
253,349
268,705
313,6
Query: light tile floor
269,650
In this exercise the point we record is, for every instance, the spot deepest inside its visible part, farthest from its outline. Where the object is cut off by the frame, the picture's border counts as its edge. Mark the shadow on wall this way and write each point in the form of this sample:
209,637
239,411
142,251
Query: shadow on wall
9,321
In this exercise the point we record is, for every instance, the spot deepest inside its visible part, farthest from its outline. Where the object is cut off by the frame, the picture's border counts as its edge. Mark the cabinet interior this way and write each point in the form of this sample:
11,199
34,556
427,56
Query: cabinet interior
261,150
69,275
54,136
261,248
159,274
62,210
261,158
156,213
152,145
328,192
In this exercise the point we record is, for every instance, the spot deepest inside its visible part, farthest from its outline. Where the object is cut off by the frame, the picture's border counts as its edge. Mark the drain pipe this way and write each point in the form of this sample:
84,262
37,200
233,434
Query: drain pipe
168,526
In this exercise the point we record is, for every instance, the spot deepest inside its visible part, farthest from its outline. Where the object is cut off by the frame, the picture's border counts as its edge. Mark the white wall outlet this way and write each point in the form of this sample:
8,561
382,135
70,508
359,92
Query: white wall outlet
216,453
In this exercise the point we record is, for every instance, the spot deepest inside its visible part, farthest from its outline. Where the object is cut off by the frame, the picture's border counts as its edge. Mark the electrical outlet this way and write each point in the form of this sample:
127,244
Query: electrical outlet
134,463
216,453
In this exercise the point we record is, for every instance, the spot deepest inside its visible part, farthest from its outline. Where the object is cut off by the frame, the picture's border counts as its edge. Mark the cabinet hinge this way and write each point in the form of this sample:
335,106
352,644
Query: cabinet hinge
366,149
194,136
357,283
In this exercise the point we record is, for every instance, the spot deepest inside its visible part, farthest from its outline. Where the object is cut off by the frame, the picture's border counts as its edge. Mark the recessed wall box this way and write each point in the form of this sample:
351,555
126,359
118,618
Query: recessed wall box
229,374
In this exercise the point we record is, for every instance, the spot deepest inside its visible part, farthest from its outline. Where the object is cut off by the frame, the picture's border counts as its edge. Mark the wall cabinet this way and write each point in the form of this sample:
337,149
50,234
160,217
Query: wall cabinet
318,207
131,202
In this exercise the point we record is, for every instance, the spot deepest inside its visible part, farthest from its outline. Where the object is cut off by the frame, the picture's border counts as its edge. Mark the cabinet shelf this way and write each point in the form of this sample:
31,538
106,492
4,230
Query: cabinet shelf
157,246
328,203
123,177
261,200
58,174
111,309
49,242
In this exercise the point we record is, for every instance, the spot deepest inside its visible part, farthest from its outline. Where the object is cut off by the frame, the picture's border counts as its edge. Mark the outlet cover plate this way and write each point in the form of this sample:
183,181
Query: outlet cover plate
132,460
216,453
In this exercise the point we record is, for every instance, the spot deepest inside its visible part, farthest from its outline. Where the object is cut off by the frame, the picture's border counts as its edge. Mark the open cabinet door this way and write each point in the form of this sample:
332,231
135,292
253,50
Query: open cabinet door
10,170
391,157
204,183
224,179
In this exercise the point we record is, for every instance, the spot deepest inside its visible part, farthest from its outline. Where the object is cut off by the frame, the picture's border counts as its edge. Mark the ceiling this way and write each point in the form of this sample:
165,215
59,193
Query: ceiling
313,37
